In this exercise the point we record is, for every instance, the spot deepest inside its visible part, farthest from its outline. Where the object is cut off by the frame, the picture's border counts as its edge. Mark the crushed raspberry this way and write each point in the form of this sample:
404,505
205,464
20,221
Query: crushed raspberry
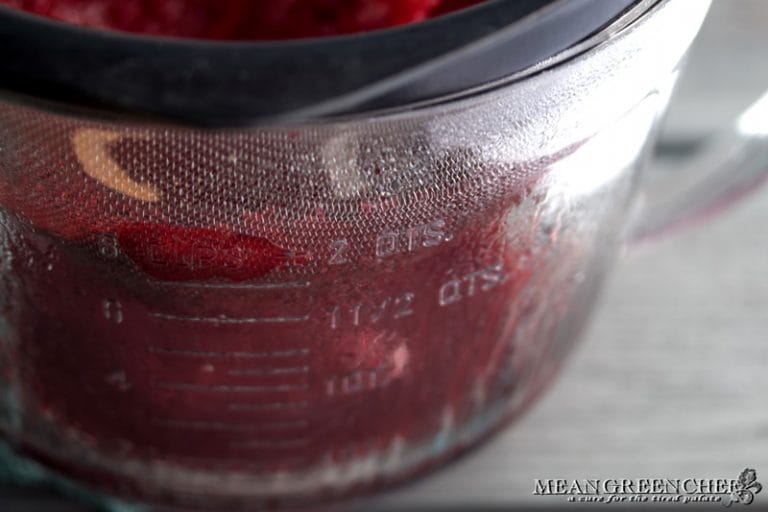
241,19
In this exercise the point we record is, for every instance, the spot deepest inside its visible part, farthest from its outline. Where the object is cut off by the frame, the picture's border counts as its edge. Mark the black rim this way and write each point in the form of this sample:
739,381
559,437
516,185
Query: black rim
208,83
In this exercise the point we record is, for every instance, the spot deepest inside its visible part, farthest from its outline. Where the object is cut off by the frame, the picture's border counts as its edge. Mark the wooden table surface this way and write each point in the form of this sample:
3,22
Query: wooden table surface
671,378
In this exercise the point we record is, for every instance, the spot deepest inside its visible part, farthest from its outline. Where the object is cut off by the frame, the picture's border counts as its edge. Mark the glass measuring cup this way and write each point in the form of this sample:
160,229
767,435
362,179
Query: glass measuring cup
336,306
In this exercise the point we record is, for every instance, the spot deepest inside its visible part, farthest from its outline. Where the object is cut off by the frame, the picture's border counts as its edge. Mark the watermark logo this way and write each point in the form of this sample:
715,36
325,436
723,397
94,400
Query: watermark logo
746,488
725,491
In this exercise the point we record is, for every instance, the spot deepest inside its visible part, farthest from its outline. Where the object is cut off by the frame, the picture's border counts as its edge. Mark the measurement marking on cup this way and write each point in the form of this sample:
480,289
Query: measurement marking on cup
358,381
470,285
299,442
388,308
413,238
254,372
239,286
230,427
223,319
300,352
113,310
272,406
226,388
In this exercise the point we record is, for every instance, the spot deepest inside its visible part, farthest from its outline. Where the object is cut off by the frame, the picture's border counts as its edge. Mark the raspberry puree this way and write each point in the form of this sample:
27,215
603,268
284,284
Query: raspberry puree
282,314
223,306
241,19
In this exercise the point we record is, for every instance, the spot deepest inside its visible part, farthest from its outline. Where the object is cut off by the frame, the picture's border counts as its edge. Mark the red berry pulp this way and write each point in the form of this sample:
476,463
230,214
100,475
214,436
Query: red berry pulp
221,304
188,307
241,19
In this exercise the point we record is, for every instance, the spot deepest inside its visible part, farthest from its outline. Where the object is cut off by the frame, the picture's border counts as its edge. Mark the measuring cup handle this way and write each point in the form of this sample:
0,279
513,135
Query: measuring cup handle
729,165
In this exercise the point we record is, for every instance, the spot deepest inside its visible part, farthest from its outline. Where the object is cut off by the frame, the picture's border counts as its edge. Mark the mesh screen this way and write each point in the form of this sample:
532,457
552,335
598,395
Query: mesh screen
281,313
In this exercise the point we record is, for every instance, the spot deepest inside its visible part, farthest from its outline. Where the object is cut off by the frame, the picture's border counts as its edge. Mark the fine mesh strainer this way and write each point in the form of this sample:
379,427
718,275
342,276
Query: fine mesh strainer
246,274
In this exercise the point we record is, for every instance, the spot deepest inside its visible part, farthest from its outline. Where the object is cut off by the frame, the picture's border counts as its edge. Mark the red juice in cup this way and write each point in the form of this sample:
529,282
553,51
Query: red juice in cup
263,330
287,313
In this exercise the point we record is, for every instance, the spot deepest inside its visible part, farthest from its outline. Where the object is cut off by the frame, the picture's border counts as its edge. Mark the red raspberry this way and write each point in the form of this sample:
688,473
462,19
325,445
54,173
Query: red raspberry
241,19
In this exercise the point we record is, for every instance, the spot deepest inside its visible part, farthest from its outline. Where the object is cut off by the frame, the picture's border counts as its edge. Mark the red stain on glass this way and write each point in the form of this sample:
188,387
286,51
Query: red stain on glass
182,253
